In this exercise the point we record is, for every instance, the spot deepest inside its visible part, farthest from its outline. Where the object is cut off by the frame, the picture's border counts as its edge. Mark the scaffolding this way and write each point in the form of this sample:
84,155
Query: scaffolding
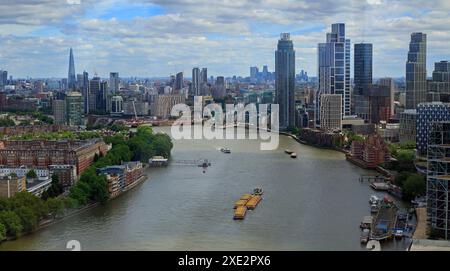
438,178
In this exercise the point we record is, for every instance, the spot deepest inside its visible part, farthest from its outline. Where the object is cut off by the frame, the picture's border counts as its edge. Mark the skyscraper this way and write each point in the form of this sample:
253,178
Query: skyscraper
195,81
113,83
71,80
74,108
334,69
285,81
3,78
85,92
179,81
362,79
94,90
362,67
416,71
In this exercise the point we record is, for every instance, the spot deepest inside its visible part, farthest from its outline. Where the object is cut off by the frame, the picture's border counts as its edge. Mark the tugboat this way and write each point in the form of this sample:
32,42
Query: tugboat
225,150
258,191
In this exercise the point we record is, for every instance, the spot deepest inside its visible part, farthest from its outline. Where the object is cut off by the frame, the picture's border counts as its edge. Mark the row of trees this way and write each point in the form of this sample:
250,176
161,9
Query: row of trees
22,213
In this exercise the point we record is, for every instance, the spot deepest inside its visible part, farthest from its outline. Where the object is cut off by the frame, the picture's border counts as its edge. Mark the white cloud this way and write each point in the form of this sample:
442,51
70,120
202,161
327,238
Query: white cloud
225,36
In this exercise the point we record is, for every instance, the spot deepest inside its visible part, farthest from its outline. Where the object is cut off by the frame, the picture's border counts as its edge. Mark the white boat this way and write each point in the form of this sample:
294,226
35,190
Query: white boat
398,233
293,155
374,200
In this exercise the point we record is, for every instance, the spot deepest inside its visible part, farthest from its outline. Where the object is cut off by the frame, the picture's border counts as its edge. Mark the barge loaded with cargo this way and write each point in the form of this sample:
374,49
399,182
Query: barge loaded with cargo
247,202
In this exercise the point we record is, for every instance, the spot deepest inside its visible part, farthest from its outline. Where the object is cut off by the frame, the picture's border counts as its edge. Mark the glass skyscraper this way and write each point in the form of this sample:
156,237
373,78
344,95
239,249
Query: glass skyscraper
71,79
362,67
285,81
416,72
334,69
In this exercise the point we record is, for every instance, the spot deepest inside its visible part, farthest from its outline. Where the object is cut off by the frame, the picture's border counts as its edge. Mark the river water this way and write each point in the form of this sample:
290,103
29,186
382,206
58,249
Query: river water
314,202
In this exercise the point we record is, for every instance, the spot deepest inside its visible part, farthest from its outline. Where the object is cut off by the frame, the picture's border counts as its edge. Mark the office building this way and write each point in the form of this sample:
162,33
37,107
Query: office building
113,83
362,67
416,71
285,81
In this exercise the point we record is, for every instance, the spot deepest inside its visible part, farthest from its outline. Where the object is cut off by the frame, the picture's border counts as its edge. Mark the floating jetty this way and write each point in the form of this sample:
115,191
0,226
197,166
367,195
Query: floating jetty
158,161
384,221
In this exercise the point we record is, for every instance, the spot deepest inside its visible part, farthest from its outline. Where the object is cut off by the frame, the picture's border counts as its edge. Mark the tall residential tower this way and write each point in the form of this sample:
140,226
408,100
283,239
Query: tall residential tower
285,81
334,69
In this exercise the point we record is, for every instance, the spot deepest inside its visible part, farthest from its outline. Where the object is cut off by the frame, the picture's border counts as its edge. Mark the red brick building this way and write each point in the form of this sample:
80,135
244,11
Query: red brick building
43,153
370,153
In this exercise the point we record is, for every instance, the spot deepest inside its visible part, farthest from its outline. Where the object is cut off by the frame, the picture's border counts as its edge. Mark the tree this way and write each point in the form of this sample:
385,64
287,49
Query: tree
11,222
55,206
2,232
31,174
415,185
28,218
405,160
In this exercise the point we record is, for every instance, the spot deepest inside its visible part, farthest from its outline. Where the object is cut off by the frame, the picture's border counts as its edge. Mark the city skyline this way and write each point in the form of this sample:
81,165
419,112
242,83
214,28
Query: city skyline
153,39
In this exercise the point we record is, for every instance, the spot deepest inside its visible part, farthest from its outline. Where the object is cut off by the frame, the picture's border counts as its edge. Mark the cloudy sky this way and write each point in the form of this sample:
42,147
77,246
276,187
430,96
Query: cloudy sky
161,37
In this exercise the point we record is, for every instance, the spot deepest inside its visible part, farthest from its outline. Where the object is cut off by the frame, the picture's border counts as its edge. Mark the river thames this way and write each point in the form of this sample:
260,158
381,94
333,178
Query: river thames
314,202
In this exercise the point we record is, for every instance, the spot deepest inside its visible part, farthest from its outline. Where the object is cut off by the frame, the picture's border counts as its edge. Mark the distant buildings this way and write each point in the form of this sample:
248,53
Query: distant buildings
43,153
331,112
416,72
285,81
438,178
71,79
3,79
179,82
427,114
163,105
116,105
69,109
195,86
113,83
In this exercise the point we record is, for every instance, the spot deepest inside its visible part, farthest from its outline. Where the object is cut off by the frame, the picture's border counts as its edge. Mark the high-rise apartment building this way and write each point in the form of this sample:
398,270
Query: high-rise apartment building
362,67
440,84
427,114
334,69
331,112
285,81
74,108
